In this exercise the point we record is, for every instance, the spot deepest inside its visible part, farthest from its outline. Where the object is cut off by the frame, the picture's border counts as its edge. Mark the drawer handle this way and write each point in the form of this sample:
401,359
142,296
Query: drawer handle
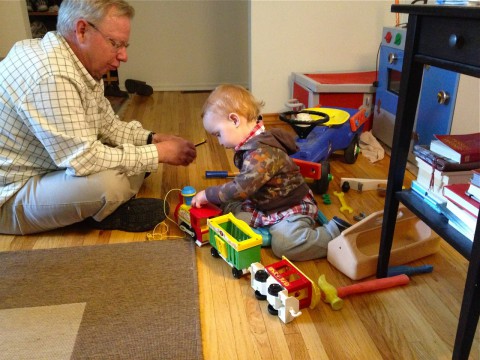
455,41
392,58
443,97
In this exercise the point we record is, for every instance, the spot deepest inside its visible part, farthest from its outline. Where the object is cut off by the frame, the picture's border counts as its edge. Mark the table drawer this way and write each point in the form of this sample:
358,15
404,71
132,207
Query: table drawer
450,39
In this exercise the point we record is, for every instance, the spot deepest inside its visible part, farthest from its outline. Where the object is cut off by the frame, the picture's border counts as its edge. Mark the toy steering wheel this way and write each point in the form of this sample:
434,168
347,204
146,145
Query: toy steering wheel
303,127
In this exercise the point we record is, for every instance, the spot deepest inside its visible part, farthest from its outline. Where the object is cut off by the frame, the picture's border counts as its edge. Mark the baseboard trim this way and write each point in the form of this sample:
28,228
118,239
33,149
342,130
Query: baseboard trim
271,119
190,87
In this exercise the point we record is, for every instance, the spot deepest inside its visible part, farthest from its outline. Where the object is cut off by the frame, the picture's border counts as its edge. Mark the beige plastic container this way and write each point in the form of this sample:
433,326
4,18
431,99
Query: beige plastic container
355,251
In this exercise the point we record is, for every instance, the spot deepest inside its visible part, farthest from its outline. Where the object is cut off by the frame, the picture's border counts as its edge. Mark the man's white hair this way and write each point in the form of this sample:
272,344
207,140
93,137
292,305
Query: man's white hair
91,10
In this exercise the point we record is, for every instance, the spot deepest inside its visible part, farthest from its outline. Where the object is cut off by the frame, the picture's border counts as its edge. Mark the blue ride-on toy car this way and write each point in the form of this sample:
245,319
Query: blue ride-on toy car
322,131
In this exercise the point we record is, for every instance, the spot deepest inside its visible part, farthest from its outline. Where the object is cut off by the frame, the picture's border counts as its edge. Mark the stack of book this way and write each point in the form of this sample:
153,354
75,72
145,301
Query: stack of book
461,149
449,178
463,200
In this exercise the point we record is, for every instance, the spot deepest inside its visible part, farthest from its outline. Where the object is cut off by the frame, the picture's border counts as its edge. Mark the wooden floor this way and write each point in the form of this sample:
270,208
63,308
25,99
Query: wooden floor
417,321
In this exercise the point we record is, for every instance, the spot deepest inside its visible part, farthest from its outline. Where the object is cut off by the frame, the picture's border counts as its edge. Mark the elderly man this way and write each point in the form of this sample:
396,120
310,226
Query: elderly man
65,157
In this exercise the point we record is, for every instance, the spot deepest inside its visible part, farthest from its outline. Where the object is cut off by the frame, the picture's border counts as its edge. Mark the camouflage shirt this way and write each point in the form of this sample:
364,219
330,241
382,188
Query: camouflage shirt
268,179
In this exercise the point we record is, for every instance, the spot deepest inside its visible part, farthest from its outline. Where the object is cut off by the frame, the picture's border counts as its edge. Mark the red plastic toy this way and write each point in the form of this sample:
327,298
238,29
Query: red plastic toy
193,221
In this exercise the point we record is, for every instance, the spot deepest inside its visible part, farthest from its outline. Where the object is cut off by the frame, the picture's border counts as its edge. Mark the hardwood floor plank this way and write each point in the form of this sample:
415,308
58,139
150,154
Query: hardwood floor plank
6,242
308,335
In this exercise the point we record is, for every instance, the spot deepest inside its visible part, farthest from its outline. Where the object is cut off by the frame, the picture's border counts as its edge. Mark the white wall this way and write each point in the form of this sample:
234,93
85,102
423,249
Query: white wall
466,117
188,45
14,24
311,36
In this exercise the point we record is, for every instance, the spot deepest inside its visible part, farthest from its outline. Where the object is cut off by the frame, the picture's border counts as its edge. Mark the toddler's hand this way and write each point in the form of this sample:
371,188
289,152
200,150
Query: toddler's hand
199,199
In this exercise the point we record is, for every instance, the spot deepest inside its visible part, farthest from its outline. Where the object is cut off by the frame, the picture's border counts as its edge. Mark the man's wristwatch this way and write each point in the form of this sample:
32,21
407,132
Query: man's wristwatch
150,138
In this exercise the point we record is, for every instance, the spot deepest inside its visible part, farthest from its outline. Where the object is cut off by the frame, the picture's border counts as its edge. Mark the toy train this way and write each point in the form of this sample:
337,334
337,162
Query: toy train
193,221
231,239
282,284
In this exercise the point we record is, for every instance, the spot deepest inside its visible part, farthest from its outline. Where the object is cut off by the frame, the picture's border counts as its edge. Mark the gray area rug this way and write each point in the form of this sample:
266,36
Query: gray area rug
119,301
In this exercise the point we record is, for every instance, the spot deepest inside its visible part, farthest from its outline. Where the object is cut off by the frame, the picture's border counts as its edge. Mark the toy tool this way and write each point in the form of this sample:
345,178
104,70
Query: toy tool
409,270
341,197
311,170
335,296
362,184
329,293
219,174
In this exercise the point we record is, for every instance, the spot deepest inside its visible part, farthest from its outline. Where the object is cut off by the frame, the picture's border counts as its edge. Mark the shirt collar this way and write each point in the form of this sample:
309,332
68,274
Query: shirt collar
257,130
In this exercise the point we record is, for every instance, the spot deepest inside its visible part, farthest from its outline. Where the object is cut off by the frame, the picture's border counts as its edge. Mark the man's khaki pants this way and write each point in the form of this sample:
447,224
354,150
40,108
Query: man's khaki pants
56,199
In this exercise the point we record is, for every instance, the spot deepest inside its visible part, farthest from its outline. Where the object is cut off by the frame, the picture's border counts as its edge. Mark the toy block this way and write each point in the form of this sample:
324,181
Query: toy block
363,184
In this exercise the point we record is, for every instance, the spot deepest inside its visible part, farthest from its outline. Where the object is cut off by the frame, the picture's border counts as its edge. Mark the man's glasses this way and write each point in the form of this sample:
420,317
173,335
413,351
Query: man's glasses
116,44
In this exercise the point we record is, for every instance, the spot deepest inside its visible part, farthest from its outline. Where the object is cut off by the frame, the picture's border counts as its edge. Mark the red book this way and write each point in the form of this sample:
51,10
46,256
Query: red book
456,193
474,190
459,148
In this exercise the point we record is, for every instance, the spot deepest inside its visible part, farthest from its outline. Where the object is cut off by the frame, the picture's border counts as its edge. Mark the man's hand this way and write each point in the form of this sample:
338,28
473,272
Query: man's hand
175,151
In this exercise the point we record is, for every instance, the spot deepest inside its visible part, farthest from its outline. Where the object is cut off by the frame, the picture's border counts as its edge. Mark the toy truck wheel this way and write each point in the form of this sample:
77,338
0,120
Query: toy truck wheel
261,276
271,310
320,186
351,152
237,274
214,252
260,296
187,230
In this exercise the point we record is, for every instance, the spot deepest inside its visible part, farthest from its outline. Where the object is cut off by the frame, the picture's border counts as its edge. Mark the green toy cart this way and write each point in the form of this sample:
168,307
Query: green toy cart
234,241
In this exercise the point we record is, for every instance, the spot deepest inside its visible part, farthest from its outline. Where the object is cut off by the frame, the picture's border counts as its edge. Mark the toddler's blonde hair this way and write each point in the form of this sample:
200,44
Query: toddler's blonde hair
227,98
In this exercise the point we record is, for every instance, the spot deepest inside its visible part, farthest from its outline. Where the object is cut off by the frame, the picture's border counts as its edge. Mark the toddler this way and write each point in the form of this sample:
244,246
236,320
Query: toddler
269,190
